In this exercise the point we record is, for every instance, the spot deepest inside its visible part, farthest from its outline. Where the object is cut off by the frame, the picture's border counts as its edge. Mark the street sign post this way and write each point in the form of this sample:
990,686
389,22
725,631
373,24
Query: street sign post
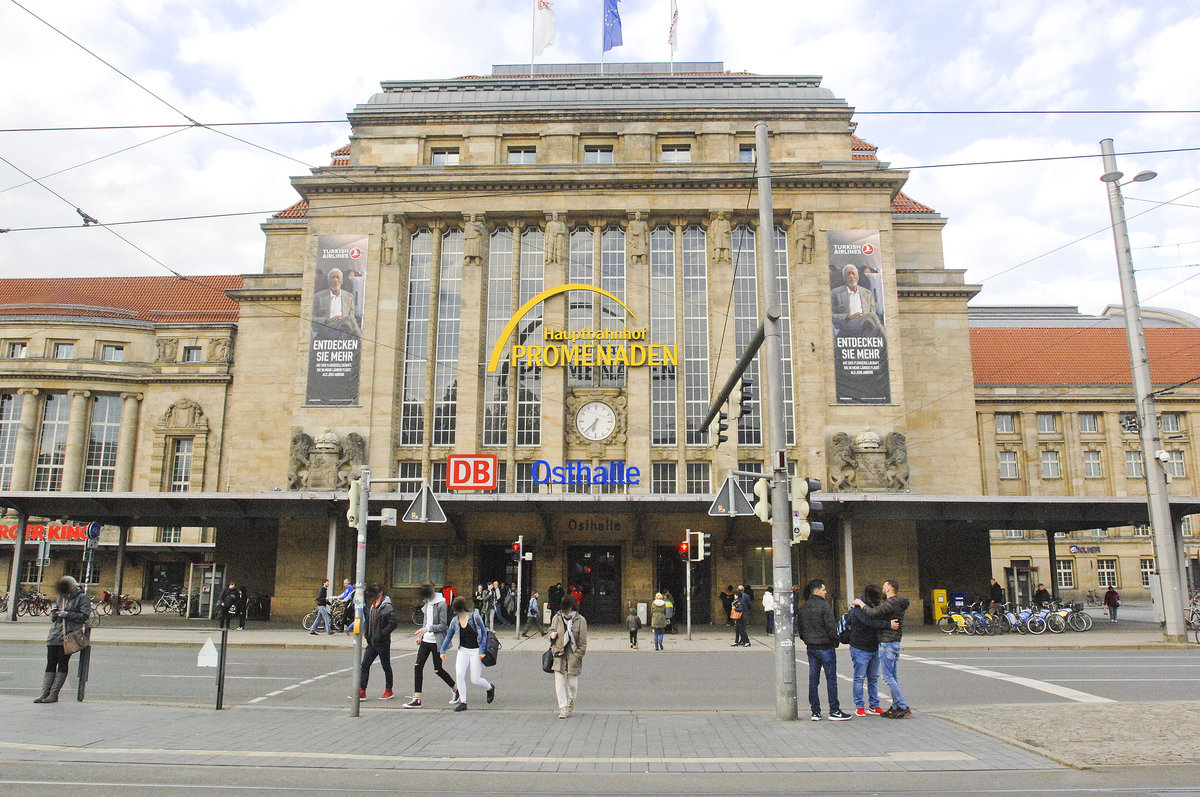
730,500
425,508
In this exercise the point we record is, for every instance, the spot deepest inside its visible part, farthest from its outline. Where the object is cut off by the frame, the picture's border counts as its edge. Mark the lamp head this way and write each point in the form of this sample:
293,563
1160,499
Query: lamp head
1112,177
1144,176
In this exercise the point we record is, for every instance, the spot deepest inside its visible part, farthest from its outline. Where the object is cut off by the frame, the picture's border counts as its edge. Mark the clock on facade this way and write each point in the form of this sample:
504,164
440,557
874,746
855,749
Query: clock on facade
596,420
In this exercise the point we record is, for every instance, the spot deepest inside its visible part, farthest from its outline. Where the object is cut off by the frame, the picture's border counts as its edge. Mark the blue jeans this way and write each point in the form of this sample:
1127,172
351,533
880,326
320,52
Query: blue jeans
323,614
818,661
658,637
866,667
890,653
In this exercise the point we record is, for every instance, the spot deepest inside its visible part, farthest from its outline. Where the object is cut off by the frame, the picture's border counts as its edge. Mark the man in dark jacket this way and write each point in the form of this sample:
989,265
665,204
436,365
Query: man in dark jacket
996,592
741,607
322,609
864,651
379,621
817,626
1042,596
893,608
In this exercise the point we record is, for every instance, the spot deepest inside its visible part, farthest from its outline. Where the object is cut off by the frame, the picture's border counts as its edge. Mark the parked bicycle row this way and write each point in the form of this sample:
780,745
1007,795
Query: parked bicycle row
981,618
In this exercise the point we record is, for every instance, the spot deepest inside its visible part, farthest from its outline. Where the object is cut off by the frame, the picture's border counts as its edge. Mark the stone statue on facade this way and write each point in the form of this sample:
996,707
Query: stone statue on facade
325,462
867,440
896,461
391,239
302,446
219,350
354,456
168,350
637,238
720,237
474,241
806,237
557,245
843,467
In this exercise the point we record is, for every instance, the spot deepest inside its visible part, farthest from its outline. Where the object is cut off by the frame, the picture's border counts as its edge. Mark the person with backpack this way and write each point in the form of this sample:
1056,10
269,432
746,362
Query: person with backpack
658,619
378,623
893,608
322,609
568,641
816,625
347,601
670,603
863,633
472,635
431,634
741,607
633,623
533,616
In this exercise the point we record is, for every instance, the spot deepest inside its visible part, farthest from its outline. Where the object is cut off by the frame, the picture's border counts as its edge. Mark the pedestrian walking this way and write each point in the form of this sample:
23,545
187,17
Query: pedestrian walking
633,623
816,625
658,619
346,599
738,612
510,602
449,593
322,610
70,613
568,640
472,635
670,602
768,602
430,636
227,605
378,623
1112,599
555,594
533,616
893,608
864,652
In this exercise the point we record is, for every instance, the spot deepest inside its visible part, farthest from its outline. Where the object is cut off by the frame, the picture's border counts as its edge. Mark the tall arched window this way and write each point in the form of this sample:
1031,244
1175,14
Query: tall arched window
499,310
529,331
663,413
416,339
695,333
449,312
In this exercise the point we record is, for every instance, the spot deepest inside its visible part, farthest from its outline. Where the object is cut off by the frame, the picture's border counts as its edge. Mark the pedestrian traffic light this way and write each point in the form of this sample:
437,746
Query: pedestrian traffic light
695,541
518,548
802,507
684,549
355,496
706,546
762,503
742,397
722,426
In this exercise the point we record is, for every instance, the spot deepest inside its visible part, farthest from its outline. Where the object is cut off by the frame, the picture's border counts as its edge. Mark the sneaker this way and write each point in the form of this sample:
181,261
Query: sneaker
860,712
312,633
891,712
571,706
414,703
877,711
387,695
491,694
816,717
461,707
902,712
454,698
562,715
838,716
362,695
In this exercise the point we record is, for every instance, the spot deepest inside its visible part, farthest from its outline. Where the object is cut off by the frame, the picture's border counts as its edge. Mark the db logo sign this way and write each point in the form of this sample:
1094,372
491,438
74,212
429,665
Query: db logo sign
471,472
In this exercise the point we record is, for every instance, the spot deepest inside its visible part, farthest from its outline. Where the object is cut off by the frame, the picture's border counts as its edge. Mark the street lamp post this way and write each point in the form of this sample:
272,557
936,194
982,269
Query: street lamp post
1166,559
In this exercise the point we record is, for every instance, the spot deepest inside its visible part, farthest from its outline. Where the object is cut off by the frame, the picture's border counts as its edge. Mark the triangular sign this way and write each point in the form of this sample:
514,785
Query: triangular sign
207,657
730,501
424,508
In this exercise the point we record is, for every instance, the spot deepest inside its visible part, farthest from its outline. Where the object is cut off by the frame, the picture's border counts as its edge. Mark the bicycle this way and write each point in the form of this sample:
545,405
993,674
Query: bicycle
126,604
33,603
170,602
337,612
1094,598
1191,616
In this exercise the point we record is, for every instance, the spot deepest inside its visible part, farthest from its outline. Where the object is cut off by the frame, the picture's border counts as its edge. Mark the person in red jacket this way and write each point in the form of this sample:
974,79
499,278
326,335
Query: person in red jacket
1112,599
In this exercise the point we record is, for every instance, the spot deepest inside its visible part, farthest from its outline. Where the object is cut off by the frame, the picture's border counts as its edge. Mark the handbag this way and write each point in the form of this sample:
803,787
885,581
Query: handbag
548,659
75,641
735,614
491,650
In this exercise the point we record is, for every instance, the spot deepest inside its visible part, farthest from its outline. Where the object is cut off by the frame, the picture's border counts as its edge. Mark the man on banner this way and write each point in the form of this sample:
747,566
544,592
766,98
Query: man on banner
544,24
612,25
335,307
854,307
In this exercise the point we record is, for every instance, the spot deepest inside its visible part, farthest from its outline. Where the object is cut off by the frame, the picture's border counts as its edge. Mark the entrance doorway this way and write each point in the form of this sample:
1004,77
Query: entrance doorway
670,574
165,577
596,571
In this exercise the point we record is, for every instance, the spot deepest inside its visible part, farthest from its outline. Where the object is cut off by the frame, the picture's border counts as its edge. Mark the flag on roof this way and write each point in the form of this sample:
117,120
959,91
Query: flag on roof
612,25
544,23
673,36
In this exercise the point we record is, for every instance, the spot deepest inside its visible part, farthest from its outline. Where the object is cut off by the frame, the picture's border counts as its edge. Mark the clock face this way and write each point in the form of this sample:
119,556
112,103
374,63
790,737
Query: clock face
596,420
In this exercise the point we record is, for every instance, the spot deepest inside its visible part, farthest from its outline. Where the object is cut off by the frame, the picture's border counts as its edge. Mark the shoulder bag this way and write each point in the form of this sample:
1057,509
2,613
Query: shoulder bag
75,641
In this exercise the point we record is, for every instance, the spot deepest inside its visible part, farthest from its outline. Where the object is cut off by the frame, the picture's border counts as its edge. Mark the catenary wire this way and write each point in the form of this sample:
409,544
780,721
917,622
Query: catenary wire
97,159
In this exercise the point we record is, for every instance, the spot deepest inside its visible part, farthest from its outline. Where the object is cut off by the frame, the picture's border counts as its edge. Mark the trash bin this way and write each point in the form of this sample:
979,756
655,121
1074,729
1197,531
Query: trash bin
939,604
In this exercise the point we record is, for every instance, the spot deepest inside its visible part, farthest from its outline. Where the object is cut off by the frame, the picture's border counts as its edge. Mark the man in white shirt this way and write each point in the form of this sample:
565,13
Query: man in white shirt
768,602
335,307
854,307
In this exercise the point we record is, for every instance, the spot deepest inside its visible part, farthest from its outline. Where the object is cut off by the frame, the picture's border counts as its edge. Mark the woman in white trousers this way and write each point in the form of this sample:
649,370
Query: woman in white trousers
568,640
472,635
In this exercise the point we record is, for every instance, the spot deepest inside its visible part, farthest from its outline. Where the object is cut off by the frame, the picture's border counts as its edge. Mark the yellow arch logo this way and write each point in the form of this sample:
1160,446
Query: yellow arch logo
529,305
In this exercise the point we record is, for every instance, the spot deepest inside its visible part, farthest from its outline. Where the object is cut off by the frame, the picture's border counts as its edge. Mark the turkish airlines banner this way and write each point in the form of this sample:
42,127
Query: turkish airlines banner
860,351
335,343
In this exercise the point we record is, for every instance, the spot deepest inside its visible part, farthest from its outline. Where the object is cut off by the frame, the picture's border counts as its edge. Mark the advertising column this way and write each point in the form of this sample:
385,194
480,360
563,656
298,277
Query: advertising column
860,351
335,345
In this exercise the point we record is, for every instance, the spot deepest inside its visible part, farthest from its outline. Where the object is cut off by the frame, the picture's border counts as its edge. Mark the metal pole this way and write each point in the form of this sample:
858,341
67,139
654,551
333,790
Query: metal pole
84,668
360,576
772,401
520,562
221,663
119,584
14,581
689,592
1166,560
1051,540
331,554
848,552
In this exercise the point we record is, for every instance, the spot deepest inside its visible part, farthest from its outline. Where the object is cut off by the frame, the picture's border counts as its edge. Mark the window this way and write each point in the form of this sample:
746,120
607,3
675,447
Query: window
529,377
29,571
100,467
112,353
785,332
760,565
52,447
747,482
444,156
663,419
10,424
745,153
1014,534
181,466
581,304
409,474
1175,466
501,478
597,154
525,482
1133,465
1129,422
1146,567
663,477
170,534
1093,465
695,334
445,372
1008,465
416,564
64,351
437,477
1186,526
75,568
499,309
1089,422
1171,422
191,354
1005,423
1047,422
416,340
612,279
1141,531
519,156
1050,465
16,350
1066,573
676,153
698,481
1106,572
745,324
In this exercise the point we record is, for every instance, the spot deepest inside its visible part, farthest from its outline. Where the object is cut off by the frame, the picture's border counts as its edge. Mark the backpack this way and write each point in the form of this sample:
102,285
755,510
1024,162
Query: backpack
844,626
491,650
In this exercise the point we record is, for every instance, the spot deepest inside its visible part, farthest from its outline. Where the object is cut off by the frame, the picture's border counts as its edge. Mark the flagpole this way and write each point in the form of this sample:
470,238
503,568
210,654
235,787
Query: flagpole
671,28
603,24
533,38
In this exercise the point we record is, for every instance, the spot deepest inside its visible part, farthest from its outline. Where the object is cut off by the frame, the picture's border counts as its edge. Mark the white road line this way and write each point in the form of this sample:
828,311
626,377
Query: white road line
1122,680
1041,686
308,681
227,677
1082,666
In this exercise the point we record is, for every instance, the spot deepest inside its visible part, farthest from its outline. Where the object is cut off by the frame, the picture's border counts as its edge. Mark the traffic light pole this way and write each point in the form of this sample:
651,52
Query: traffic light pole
360,576
520,566
688,537
772,399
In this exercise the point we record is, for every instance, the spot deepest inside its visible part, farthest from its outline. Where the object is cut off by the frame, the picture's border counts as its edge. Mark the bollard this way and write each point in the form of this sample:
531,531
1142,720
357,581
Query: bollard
85,663
221,668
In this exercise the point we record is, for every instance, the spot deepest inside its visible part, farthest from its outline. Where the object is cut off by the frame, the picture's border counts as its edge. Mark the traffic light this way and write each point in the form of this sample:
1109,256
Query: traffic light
762,504
705,547
518,548
742,397
684,549
695,542
355,496
802,508
722,426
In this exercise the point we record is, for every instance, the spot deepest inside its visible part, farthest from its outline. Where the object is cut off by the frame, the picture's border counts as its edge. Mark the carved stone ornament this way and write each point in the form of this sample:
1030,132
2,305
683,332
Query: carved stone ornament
611,446
866,440
167,350
391,239
557,245
184,415
720,239
325,462
475,241
802,227
637,239
865,463
220,350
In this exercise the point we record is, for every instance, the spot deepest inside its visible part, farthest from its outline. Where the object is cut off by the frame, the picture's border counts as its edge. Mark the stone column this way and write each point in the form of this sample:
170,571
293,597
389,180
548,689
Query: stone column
23,455
127,443
14,582
76,441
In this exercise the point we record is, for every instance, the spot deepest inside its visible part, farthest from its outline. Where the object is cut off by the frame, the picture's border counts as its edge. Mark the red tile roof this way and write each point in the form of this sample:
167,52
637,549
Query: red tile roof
340,156
861,150
1079,356
158,299
296,211
903,203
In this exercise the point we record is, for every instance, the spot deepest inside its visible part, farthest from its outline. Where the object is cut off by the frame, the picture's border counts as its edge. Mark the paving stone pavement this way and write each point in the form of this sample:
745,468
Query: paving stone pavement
520,741
1092,735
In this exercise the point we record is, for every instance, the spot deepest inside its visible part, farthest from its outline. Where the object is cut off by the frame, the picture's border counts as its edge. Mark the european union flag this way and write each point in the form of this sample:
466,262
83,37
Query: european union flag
612,25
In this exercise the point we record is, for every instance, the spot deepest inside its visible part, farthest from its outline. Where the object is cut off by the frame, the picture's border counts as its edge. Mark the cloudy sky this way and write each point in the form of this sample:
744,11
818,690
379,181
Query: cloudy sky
237,60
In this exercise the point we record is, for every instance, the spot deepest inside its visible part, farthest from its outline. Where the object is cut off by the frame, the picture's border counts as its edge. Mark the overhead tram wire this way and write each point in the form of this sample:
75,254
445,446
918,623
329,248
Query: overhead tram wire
100,158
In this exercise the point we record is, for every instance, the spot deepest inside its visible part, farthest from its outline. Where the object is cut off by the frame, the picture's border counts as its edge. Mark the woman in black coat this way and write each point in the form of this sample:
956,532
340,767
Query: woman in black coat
70,614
